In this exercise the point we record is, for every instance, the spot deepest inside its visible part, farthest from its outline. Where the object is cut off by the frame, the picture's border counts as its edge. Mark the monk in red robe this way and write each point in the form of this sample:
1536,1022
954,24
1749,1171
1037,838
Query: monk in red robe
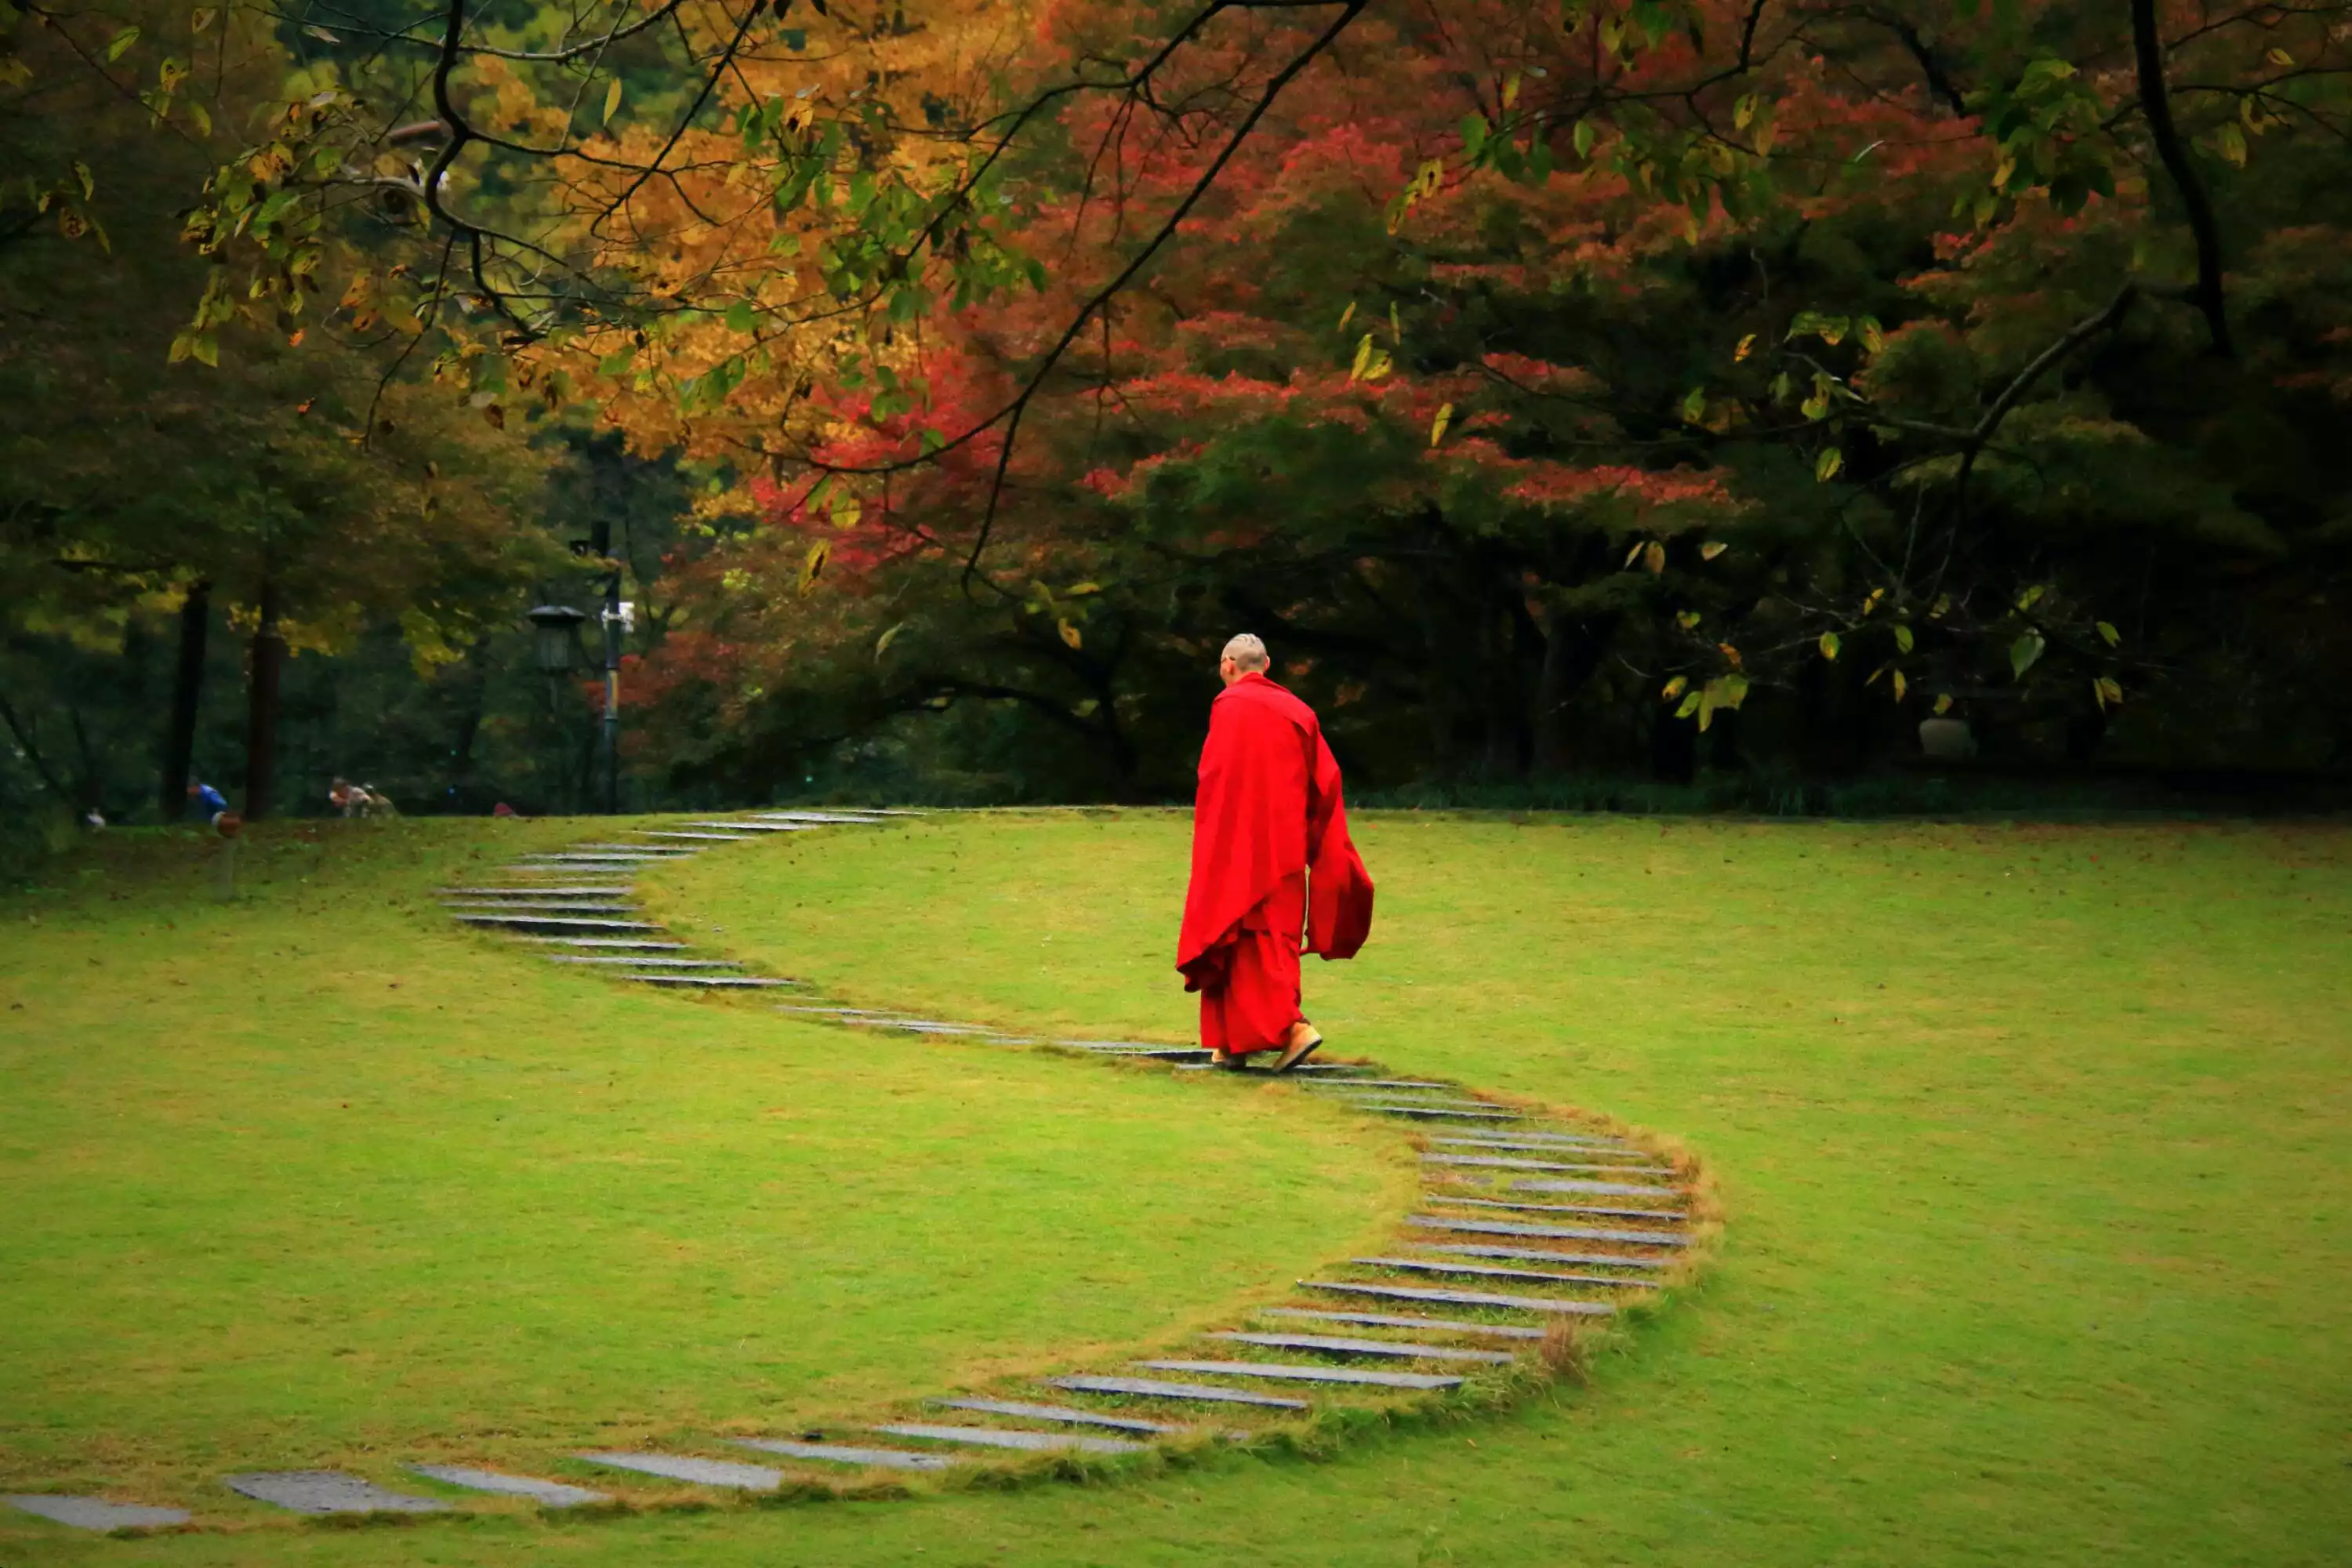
1271,860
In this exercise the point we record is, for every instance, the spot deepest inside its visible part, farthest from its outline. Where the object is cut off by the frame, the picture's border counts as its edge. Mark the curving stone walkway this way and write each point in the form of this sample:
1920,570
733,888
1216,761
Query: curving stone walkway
1456,1309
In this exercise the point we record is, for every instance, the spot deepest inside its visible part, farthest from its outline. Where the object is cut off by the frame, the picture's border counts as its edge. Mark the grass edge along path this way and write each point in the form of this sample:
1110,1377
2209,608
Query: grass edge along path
1527,1217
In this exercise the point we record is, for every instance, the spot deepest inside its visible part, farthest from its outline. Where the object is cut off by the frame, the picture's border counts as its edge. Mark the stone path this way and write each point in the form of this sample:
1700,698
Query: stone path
1478,1155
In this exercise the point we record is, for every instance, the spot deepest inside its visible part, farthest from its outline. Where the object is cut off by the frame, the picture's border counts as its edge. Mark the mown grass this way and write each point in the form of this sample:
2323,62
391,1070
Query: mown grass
2033,1142
315,1178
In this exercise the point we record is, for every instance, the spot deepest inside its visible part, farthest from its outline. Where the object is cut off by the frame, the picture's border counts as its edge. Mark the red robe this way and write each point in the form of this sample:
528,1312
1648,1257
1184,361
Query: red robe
1270,853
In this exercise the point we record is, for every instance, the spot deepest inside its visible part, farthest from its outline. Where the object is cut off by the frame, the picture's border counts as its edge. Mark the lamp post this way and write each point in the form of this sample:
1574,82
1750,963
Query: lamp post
555,642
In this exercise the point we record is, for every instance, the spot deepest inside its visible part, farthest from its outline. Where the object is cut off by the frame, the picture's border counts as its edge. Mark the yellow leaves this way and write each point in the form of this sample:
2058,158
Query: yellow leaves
2230,143
1872,335
1901,686
1730,654
1372,363
1438,426
1347,315
1746,346
1069,632
1653,557
1903,638
2107,690
1711,549
1943,704
2107,631
1826,465
1694,408
612,99
1674,688
1743,113
1688,620
2002,170
200,18
1510,89
882,645
813,565
1830,645
2278,56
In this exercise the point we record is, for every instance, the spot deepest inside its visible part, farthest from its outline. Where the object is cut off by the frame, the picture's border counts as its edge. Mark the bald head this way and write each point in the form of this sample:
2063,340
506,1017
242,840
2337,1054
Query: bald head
1244,655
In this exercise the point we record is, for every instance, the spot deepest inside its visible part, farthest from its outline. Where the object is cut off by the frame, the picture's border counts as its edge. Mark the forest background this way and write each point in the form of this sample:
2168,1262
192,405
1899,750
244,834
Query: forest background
1589,403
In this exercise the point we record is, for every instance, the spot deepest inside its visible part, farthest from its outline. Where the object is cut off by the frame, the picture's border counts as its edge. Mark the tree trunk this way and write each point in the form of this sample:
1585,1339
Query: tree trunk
261,712
187,691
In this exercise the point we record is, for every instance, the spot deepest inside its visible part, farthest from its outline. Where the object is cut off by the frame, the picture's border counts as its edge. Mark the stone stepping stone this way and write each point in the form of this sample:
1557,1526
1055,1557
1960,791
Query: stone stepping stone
1535,1135
709,981
1601,1189
1328,1070
1334,1345
644,962
1153,1388
1546,1232
1506,1163
1539,1254
1436,1112
855,819
617,855
705,837
1669,1214
699,1472
662,850
618,944
1400,1321
1069,1413
328,1492
546,1494
1462,1297
758,827
533,892
1593,1151
998,1438
1288,1372
552,922
520,907
1388,1083
1476,1271
844,1454
96,1513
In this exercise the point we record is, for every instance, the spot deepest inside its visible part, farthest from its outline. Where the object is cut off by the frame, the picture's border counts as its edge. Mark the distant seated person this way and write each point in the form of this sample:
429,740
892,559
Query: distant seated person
356,799
209,802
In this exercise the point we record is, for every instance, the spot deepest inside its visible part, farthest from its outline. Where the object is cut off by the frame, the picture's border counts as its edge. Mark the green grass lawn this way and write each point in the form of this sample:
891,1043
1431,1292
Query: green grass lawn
2033,1144
320,1179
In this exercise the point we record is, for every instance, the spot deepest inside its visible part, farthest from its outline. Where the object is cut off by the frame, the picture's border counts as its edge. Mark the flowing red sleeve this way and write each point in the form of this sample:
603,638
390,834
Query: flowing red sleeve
1340,890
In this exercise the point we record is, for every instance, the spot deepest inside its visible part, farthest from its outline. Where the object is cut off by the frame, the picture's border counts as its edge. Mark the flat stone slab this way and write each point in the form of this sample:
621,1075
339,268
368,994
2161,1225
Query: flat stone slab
1662,1214
546,1494
609,848
848,1453
327,1491
1597,1189
758,827
1387,1083
644,962
1335,1345
1590,1151
1546,1232
998,1438
709,981
1462,1297
1292,1372
1152,1388
1535,1135
622,944
706,837
1434,1113
1540,1255
599,858
699,1472
553,923
533,892
866,819
1403,1321
1506,1163
96,1513
1069,1413
1475,1271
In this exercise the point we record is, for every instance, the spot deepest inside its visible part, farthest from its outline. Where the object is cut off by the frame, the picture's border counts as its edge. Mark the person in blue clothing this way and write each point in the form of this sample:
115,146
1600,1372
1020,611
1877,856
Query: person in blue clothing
209,802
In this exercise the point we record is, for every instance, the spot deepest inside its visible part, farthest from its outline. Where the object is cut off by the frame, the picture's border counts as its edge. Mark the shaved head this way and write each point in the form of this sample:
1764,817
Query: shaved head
1246,652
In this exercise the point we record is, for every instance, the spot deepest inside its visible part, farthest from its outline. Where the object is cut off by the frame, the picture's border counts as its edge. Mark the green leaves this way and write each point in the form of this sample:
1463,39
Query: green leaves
119,45
2024,652
812,567
1830,643
1826,465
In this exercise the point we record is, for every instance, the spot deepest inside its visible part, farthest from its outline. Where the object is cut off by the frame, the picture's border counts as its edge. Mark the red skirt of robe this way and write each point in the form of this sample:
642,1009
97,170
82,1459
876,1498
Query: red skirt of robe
1253,1002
